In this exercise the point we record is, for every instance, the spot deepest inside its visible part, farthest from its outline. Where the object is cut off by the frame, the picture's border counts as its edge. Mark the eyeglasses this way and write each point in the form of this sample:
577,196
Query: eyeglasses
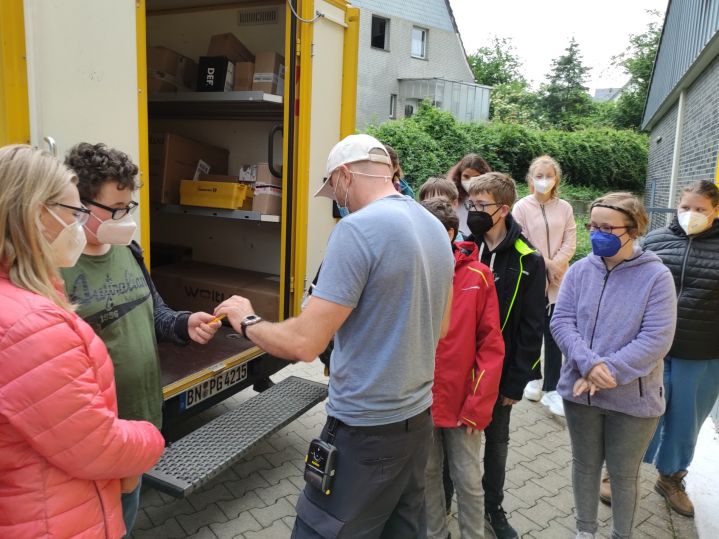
115,213
81,214
479,206
607,229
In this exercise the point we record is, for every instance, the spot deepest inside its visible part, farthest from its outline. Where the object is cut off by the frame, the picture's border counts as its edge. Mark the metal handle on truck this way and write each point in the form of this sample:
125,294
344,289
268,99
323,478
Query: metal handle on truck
271,151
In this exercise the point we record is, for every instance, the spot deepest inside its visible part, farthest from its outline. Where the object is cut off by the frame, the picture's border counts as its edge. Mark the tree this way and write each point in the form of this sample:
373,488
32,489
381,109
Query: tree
564,101
514,103
496,64
638,61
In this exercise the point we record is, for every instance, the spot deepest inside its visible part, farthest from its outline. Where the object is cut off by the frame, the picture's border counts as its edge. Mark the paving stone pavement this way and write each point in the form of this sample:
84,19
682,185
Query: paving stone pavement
255,499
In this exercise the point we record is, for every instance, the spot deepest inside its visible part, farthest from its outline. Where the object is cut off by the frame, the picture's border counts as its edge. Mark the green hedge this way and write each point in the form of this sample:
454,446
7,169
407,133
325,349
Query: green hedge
431,141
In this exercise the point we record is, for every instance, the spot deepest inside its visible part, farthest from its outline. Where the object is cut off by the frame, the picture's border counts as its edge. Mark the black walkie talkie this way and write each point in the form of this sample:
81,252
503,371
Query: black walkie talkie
321,460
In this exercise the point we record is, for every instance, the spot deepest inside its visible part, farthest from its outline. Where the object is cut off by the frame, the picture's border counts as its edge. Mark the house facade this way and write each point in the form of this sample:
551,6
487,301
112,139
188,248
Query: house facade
410,51
682,109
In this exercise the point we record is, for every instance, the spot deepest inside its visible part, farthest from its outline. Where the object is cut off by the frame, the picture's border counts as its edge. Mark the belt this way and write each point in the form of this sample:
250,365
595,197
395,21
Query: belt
399,426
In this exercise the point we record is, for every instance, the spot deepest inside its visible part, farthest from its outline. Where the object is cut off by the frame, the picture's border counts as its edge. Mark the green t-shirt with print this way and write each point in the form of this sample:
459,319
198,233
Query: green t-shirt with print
112,296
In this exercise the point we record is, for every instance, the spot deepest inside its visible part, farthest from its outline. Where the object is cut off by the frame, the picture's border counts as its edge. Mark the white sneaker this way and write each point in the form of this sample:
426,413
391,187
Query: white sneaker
584,535
533,391
554,402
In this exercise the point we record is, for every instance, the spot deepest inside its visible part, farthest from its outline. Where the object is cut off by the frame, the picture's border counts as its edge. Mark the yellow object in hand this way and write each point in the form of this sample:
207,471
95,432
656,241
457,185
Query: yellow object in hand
218,318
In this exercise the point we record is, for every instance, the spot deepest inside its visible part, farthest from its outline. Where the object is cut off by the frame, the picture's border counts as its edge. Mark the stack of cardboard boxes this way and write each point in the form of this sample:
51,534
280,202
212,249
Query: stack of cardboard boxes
229,65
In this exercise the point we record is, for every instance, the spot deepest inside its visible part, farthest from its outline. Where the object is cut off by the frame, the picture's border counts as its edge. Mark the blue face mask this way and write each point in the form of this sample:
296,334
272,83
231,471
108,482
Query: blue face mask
604,244
344,211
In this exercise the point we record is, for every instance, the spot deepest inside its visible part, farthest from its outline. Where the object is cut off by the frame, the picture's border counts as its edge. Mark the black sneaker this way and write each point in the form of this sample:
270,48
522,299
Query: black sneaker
498,525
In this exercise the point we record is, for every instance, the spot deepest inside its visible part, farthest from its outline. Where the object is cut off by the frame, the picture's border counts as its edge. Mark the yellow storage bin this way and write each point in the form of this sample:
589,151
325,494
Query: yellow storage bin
227,195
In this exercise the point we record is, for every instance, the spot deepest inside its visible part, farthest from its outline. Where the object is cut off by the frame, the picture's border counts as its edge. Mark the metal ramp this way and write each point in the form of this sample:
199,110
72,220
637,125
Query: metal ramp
194,460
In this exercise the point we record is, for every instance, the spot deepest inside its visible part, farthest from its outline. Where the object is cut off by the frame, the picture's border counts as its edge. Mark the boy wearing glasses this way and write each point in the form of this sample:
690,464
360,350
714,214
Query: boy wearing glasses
115,295
519,278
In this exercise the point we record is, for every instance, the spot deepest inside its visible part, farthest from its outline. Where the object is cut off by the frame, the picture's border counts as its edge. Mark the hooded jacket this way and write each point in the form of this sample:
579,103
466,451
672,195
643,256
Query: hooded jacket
63,450
469,358
519,278
550,227
694,263
624,317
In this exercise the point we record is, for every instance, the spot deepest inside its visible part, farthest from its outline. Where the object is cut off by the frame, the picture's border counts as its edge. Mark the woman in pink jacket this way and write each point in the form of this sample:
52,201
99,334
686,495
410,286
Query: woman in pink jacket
63,451
548,223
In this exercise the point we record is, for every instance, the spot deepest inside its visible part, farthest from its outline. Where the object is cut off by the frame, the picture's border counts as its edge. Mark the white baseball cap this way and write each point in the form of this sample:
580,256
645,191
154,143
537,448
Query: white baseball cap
352,149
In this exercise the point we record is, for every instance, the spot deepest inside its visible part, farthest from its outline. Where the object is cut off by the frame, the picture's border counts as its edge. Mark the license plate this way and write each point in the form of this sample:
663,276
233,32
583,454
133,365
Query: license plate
212,386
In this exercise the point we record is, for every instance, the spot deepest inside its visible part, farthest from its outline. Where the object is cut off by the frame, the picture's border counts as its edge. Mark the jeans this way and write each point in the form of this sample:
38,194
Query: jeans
691,387
465,468
378,489
552,354
130,507
496,446
620,439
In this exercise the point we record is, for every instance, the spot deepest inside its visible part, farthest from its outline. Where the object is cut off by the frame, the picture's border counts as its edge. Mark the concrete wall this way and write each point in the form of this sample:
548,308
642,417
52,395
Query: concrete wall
380,70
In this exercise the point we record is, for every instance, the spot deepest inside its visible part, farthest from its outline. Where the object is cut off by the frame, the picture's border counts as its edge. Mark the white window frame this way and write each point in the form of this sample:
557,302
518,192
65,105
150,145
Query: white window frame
393,106
425,38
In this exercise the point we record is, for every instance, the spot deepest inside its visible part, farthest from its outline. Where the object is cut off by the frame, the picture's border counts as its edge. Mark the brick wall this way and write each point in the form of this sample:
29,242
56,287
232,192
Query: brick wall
380,70
699,144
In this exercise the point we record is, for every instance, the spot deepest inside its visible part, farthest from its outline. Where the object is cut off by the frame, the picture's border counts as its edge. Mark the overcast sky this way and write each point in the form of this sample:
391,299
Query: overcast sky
541,30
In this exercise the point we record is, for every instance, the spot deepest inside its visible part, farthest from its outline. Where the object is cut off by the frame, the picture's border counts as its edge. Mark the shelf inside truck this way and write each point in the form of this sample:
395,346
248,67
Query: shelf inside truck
216,105
239,215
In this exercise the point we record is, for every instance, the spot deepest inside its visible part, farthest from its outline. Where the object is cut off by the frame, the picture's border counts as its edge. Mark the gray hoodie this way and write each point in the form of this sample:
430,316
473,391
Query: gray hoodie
625,318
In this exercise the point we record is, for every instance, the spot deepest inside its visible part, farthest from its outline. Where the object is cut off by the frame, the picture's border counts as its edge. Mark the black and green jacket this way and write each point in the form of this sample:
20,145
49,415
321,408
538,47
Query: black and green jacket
520,281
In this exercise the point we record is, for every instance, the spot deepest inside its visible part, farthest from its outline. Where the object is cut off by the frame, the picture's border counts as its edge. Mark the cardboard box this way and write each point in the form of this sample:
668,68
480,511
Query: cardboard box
219,178
265,177
160,83
210,194
215,74
194,286
267,200
269,74
244,71
229,46
166,253
174,158
164,61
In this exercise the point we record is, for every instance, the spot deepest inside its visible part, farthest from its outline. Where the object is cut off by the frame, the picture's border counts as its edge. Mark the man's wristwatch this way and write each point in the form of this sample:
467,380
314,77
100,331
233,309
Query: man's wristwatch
250,320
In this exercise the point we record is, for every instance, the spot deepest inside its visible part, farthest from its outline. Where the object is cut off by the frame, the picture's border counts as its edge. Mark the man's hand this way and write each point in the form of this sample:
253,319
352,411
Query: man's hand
601,376
128,484
506,401
236,309
201,327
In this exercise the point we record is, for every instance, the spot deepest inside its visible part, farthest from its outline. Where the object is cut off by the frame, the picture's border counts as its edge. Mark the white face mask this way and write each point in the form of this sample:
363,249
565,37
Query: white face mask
693,222
543,185
116,232
466,183
69,243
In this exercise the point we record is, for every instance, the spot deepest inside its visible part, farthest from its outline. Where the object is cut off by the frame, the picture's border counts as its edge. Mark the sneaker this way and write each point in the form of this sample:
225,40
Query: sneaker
554,402
499,526
584,535
533,391
605,489
673,489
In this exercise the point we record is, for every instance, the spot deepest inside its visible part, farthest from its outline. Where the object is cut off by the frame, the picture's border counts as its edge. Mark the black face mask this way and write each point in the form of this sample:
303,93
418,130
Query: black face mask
480,222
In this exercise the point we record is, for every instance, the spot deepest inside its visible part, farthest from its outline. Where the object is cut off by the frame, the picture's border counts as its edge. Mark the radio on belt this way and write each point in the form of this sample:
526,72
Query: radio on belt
321,461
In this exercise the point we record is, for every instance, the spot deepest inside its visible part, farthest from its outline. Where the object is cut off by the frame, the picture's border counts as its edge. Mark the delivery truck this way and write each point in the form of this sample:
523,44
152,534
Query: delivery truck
230,109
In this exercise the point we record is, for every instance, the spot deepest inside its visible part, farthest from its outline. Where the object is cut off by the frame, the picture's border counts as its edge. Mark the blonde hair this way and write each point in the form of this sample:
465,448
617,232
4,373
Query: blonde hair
546,160
436,186
629,205
500,186
29,178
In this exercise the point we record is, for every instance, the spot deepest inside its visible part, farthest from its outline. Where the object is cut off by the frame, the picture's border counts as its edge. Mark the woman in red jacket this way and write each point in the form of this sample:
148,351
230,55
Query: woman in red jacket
468,366
63,451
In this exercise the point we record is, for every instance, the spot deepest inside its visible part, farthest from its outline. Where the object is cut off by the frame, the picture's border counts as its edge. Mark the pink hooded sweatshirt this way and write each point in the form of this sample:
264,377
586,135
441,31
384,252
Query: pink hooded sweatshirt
62,448
551,229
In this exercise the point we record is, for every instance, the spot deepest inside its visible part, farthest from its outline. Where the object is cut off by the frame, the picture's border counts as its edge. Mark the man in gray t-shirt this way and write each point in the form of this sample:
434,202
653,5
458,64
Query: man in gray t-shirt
384,293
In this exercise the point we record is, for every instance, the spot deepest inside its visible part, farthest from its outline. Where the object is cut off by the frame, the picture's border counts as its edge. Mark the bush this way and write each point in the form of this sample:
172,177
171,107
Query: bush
431,141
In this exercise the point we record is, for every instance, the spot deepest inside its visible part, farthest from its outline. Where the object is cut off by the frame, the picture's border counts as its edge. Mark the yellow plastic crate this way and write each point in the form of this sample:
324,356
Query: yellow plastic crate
227,195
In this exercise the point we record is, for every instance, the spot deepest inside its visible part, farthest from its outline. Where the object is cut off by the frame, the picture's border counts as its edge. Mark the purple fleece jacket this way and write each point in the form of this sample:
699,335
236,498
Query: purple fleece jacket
626,318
